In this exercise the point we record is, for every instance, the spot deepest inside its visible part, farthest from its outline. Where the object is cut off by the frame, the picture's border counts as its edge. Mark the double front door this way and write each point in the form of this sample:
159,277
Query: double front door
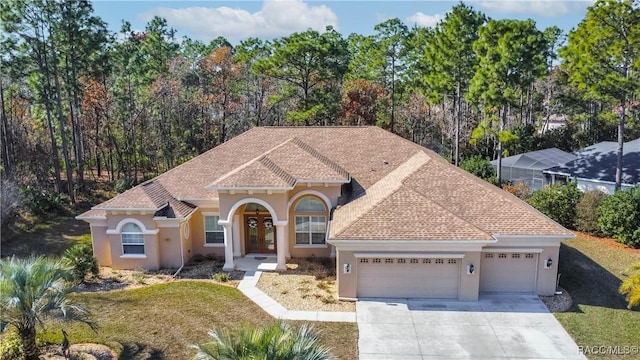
260,234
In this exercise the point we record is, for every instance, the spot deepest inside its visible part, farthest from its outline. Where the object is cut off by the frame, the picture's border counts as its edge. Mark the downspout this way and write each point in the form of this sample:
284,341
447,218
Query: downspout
181,255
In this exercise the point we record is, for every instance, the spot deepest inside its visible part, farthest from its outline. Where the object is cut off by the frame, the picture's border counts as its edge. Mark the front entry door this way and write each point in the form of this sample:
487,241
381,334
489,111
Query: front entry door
260,233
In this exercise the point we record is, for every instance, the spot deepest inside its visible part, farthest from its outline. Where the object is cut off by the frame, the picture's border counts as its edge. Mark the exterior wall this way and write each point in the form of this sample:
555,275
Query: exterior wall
197,235
169,247
606,187
469,283
151,259
101,244
547,278
332,193
347,283
186,239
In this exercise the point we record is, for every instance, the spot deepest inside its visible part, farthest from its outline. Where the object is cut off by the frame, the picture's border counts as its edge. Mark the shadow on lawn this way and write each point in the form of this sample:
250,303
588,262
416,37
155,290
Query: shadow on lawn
135,351
587,281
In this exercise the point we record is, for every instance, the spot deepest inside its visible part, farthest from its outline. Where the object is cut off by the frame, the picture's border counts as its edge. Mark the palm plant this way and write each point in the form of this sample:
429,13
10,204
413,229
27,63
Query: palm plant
81,261
32,290
275,342
631,287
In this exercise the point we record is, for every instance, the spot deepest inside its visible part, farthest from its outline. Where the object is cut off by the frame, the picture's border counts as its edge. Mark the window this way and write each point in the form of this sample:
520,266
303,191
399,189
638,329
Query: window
529,256
488,256
414,261
515,256
364,261
213,233
502,256
401,261
426,261
311,222
388,261
452,261
132,240
439,261
376,261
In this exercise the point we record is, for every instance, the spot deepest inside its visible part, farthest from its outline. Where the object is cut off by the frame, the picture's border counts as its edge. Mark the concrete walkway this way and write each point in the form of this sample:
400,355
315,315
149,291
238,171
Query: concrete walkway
248,286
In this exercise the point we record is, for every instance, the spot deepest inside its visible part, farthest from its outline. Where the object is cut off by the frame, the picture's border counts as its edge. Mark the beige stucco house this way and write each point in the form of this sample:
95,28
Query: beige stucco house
401,221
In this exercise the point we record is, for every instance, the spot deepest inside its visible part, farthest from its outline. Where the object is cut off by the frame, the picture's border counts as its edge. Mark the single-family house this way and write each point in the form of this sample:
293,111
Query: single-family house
400,221
528,167
595,166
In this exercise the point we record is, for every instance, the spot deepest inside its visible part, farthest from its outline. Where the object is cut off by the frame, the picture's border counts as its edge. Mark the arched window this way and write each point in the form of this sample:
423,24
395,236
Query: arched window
311,221
132,239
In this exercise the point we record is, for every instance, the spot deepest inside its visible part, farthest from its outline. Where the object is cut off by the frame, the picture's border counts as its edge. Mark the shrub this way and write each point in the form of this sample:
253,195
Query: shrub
40,202
558,202
123,185
81,261
520,189
10,347
630,287
619,216
587,211
480,167
221,277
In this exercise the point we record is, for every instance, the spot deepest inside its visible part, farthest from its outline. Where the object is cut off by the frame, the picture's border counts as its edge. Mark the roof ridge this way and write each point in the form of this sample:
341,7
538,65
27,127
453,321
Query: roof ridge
277,170
377,192
247,164
315,153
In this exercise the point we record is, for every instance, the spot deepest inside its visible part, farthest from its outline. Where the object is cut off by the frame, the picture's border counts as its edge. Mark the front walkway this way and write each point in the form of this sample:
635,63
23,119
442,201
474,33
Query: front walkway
248,286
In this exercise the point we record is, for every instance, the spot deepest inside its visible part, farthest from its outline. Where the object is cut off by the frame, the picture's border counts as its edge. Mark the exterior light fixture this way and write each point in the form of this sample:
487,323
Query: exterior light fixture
548,263
470,269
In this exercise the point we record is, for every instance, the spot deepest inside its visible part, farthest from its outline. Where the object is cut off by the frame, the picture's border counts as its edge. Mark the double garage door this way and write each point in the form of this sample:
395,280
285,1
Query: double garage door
408,278
508,272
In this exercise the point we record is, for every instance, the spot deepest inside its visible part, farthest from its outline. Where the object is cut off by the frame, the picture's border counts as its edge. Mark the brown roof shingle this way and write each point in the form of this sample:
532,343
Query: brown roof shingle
400,190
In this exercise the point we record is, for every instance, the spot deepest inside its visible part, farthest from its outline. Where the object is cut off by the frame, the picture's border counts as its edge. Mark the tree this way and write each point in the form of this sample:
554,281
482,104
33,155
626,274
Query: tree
631,287
511,55
480,167
558,202
275,342
31,290
312,66
452,60
602,58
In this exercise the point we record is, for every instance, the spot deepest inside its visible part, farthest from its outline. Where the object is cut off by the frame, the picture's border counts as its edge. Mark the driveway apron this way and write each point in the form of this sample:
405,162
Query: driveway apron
495,327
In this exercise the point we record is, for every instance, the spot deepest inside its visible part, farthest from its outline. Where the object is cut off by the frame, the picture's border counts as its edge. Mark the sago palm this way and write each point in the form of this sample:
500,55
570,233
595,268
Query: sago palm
631,287
275,342
32,290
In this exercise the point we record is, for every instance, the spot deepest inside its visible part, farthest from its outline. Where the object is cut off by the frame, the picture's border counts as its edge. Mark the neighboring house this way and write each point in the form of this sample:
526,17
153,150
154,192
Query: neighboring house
527,168
595,166
554,121
401,221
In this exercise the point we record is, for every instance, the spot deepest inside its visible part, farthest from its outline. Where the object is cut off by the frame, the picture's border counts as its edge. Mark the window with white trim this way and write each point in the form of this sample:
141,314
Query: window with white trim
132,239
213,232
311,221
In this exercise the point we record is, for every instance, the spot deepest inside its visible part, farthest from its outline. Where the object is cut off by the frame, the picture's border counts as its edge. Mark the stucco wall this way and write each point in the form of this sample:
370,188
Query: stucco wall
197,235
169,247
101,244
547,278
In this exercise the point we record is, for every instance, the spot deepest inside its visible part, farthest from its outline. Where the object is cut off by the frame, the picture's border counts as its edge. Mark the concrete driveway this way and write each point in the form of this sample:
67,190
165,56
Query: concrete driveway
495,327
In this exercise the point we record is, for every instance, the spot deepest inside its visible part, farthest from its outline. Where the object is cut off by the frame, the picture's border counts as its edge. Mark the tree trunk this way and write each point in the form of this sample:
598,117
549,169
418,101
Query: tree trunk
28,342
456,109
623,110
499,169
6,137
61,120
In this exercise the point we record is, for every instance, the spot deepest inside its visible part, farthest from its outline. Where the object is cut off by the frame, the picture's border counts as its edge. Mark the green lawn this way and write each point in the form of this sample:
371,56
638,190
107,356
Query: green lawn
591,272
162,321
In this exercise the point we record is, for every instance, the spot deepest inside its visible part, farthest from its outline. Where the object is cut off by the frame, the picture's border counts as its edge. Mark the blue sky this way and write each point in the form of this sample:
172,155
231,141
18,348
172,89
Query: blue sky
268,19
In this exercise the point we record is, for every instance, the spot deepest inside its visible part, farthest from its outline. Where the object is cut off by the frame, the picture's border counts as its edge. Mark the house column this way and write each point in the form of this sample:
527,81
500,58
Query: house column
228,248
282,247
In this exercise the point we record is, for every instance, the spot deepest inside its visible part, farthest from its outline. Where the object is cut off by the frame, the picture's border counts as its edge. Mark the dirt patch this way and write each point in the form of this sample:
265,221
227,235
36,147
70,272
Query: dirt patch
607,242
558,303
307,285
200,268
80,352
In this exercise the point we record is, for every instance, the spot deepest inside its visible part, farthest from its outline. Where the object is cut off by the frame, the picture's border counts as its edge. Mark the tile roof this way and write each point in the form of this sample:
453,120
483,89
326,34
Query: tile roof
398,189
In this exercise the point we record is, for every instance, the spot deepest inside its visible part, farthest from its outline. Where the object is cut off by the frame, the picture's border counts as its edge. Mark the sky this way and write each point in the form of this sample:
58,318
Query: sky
269,19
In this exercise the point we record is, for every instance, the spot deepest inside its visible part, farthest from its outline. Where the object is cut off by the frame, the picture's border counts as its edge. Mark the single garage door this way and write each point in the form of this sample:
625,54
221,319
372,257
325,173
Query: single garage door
408,278
508,272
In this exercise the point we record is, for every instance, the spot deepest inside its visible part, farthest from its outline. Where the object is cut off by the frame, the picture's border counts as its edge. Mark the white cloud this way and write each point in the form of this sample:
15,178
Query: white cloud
424,20
543,8
276,18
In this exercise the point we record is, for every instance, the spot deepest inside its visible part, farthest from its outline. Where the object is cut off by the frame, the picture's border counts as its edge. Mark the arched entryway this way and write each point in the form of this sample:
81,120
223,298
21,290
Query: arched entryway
259,231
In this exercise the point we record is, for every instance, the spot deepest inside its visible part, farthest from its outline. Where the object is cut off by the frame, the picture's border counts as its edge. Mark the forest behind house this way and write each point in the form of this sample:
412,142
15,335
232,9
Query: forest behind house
81,104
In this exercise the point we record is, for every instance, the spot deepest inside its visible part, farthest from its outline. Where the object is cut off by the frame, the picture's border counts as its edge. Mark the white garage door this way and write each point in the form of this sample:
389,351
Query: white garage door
508,272
408,278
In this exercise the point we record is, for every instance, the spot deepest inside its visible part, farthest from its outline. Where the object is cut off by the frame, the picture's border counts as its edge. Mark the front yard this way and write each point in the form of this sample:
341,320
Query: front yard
591,271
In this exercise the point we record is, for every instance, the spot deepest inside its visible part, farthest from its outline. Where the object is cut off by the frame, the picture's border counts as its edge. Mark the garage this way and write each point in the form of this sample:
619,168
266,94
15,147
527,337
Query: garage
408,277
508,272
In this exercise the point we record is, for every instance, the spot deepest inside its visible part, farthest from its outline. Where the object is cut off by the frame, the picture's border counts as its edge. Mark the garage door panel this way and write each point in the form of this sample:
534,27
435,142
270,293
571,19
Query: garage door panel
508,272
424,278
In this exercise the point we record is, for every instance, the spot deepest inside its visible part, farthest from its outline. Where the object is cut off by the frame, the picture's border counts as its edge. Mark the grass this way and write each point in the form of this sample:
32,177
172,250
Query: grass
592,270
162,321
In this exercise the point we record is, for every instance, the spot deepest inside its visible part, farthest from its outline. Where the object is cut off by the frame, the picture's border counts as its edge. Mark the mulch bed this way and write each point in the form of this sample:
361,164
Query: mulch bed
558,303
